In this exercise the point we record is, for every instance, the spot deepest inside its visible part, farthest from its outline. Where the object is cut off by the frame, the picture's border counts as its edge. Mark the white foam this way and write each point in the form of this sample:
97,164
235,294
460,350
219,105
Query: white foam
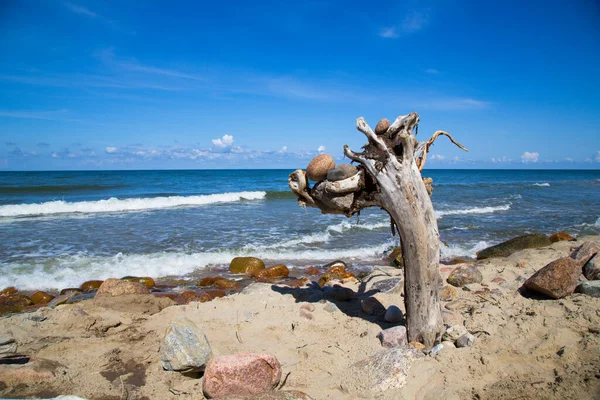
545,184
473,210
346,226
71,271
117,205
597,224
462,251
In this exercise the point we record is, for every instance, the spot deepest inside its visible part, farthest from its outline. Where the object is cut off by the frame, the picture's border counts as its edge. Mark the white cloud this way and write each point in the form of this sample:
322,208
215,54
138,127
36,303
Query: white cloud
80,10
597,156
321,149
569,159
412,22
389,33
528,157
111,149
502,159
283,149
224,142
437,157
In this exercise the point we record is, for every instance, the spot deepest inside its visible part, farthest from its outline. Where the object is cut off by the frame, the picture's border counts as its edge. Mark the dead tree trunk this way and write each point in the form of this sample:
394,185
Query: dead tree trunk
389,177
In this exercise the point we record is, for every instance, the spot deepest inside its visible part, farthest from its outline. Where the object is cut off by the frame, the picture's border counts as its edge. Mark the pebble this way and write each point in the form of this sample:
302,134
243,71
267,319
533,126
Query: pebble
308,307
454,332
417,345
459,304
393,314
382,126
144,280
185,347
447,293
393,337
41,297
590,288
436,349
341,293
559,236
392,285
117,287
89,286
372,306
341,172
464,275
452,318
465,340
448,344
241,375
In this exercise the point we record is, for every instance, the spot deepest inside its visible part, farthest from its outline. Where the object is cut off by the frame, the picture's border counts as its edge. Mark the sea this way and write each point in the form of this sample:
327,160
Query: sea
58,229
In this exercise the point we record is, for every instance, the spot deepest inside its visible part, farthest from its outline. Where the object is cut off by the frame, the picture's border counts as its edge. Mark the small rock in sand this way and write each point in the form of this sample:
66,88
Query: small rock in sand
117,287
241,375
372,306
331,307
387,369
246,265
393,314
557,279
417,345
392,285
505,249
591,288
465,340
185,347
585,252
393,337
464,275
591,269
454,332
560,236
447,293
340,293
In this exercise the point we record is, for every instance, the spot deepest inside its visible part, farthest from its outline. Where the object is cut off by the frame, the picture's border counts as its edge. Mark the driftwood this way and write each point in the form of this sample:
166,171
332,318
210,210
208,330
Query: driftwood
389,176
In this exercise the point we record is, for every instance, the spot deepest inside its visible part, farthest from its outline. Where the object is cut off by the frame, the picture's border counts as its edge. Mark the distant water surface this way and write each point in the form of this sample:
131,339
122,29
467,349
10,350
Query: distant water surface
58,229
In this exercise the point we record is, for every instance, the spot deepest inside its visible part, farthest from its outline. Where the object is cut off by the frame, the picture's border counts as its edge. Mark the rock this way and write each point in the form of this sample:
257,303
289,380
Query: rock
144,280
511,246
393,314
417,345
14,303
281,395
206,281
276,271
185,347
560,236
134,303
62,299
223,283
460,304
296,283
521,264
382,126
90,286
396,258
246,265
447,293
341,172
460,260
451,318
454,332
585,252
70,290
464,275
32,373
393,337
8,347
557,279
117,287
341,293
80,297
319,167
209,295
372,306
387,369
591,288
465,340
331,307
312,271
392,285
448,345
41,297
591,270
9,291
240,375
337,266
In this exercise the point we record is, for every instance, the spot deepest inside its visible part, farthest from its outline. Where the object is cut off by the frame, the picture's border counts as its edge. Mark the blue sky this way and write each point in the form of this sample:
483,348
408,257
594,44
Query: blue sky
249,84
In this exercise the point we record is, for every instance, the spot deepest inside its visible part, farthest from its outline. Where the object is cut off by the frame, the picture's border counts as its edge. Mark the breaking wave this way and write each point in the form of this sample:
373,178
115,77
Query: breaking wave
545,184
473,210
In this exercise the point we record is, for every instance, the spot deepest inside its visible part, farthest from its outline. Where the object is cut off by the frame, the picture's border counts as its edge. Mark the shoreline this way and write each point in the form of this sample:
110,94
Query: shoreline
525,347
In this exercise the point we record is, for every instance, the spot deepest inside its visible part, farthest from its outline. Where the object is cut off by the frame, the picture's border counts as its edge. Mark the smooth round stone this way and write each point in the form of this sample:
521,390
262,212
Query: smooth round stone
210,295
447,293
341,293
319,167
223,283
372,306
41,297
144,280
89,286
9,291
208,281
393,314
70,290
246,265
341,172
275,271
382,126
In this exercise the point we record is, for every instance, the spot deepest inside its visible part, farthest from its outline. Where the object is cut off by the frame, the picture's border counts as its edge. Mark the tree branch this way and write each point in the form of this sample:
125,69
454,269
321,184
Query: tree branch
424,147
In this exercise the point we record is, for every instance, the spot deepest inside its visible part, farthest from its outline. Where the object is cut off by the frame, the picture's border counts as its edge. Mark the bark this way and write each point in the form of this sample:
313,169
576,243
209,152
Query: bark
390,177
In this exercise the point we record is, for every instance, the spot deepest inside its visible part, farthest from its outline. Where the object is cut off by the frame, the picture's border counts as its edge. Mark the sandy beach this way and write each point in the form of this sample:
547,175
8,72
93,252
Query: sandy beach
526,347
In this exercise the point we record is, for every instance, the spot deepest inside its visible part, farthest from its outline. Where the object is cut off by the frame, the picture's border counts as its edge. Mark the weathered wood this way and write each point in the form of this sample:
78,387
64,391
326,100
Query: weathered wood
390,177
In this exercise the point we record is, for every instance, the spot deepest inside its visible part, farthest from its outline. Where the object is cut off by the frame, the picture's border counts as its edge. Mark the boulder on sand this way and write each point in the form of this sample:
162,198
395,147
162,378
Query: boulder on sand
117,287
246,265
557,279
511,246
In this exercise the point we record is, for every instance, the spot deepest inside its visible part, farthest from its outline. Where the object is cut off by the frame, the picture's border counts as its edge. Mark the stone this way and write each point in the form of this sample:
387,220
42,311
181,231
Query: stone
80,297
117,287
297,283
90,286
372,306
70,290
393,337
560,236
591,288
452,318
281,395
454,332
331,307
209,295
318,168
557,279
341,293
8,347
460,304
393,315
522,264
591,270
32,373
417,345
448,345
14,303
447,293
396,258
41,297
341,172
242,375
436,349
387,369
312,270
206,281
585,252
246,265
275,271
511,246
9,291
391,285
464,275
382,126
223,283
459,260
184,347
465,340
62,299
144,280
337,266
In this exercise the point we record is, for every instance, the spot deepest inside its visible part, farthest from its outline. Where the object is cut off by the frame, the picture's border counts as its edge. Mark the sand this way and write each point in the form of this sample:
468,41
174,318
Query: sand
525,348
